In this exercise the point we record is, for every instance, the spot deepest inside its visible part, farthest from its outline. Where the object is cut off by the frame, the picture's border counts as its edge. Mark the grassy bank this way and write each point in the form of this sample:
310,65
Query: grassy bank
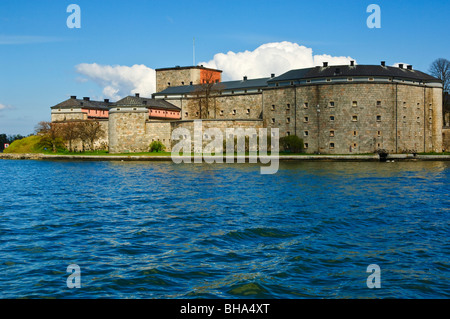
28,144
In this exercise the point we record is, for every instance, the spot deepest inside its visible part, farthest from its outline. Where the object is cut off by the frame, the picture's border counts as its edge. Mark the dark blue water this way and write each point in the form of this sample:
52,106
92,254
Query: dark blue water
161,230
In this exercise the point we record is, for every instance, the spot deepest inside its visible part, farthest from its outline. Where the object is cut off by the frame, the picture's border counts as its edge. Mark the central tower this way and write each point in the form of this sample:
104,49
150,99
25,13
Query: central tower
187,75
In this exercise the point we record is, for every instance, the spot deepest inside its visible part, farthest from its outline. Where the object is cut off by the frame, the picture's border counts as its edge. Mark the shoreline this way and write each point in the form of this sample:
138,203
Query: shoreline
373,158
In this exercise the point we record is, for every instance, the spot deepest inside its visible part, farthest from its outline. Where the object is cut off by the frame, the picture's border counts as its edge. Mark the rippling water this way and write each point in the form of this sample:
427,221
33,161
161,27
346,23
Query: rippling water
161,230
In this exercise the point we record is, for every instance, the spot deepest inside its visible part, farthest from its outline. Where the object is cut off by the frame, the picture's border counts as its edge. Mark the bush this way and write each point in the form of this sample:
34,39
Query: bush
157,146
291,143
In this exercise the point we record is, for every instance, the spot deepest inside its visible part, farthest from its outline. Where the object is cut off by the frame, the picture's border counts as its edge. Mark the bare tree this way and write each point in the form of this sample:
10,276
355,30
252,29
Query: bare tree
440,69
51,135
70,131
90,131
204,101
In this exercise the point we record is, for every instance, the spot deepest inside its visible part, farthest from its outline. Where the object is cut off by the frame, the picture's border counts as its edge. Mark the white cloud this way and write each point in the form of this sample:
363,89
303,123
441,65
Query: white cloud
4,107
276,57
119,81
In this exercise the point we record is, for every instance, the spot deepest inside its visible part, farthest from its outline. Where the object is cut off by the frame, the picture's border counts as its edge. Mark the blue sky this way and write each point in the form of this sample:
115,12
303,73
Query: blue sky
39,54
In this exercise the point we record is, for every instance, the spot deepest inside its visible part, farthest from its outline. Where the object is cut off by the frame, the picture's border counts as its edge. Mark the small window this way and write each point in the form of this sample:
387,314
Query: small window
354,118
308,81
404,104
305,105
248,111
305,145
306,119
418,119
306,133
234,112
168,83
355,133
328,80
196,113
378,133
273,121
378,118
221,112
350,79
273,107
331,145
332,118
288,106
354,145
331,104
379,145
186,114
332,133
355,103
288,133
370,79
378,103
182,83
288,120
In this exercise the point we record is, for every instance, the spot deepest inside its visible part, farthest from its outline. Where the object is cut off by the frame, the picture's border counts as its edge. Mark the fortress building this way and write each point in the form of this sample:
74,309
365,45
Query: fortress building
345,109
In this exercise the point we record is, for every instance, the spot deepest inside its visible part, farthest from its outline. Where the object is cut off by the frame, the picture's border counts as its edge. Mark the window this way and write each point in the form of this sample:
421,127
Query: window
305,105
331,104
354,118
306,133
418,119
288,120
331,145
196,113
379,145
248,111
328,80
288,106
305,145
332,118
378,133
378,118
273,121
186,114
288,133
182,83
308,81
273,107
221,112
355,133
350,79
378,103
404,104
370,79
168,83
234,112
355,103
354,145
332,133
306,119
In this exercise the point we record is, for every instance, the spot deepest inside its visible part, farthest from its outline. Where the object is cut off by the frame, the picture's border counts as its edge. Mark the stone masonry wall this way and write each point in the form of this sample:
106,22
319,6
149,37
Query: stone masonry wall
176,78
127,130
354,117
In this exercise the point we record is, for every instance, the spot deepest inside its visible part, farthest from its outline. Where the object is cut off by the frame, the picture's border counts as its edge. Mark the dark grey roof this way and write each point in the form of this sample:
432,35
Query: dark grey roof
356,70
146,102
188,67
73,102
221,86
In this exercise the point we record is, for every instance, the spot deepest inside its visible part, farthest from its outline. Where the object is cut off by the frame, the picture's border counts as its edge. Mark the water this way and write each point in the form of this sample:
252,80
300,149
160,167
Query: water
161,230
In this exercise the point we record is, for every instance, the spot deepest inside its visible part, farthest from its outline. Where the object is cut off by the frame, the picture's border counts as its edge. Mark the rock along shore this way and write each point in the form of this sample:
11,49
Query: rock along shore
391,157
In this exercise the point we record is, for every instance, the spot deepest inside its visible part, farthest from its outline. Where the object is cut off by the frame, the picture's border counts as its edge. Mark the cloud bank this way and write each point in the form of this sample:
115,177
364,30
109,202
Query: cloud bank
119,81
276,57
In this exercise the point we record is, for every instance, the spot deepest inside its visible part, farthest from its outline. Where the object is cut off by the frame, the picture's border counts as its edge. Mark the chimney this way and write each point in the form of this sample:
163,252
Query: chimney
106,100
136,94
245,78
73,97
325,64
400,66
272,75
383,63
409,67
86,98
352,63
